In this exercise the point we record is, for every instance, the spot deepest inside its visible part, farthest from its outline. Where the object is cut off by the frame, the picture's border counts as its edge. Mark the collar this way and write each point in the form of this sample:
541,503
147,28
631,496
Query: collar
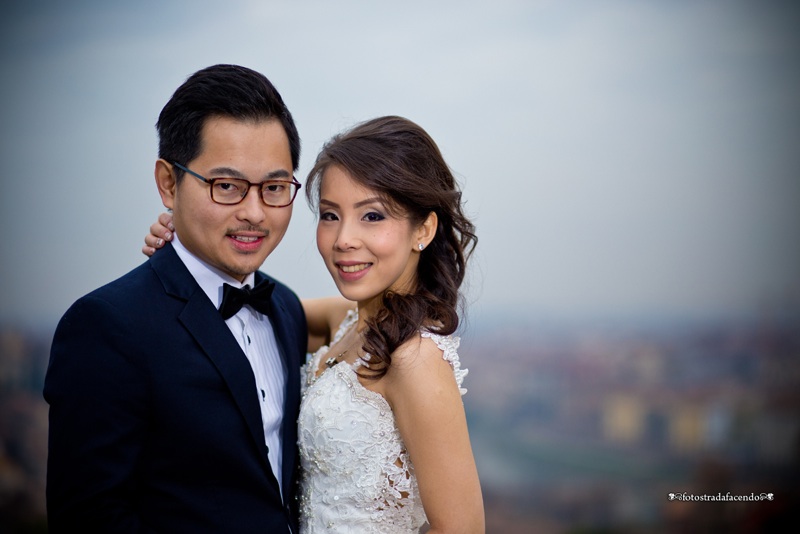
210,279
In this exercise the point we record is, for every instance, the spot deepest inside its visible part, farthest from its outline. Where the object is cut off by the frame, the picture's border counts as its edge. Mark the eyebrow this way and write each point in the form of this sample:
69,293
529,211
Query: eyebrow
233,173
373,200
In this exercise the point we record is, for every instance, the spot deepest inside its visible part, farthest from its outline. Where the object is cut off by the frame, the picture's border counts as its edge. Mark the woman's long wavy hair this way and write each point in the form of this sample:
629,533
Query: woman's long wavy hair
398,160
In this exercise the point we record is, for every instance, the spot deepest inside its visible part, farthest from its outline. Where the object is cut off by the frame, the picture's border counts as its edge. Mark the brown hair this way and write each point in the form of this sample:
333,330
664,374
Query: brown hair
397,159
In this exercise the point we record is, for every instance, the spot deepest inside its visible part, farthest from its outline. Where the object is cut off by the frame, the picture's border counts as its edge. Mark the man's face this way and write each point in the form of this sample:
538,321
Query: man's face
235,239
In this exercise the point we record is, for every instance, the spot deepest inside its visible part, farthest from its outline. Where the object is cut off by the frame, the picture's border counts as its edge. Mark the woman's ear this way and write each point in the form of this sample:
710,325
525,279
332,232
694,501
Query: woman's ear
427,231
165,181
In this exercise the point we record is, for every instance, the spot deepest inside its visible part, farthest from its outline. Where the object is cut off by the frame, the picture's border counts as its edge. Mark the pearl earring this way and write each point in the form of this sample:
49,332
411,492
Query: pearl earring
421,246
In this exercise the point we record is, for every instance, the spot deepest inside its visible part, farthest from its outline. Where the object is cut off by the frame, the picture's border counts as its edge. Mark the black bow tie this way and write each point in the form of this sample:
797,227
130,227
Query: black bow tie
259,298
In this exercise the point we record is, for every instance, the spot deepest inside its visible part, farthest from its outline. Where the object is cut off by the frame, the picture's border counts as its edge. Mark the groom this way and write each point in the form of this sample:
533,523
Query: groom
168,414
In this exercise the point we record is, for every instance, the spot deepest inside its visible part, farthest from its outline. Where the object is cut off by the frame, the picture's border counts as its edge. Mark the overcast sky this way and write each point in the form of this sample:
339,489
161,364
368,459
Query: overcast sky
621,159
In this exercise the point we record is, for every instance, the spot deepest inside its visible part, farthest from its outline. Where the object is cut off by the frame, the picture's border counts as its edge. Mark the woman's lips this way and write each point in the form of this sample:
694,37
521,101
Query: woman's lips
352,271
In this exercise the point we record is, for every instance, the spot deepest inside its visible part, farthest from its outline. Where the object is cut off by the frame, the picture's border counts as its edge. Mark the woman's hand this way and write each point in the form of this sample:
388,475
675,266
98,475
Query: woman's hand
160,233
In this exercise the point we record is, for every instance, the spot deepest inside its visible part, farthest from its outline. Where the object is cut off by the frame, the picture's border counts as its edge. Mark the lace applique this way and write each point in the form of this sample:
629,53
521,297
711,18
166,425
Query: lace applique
357,476
449,346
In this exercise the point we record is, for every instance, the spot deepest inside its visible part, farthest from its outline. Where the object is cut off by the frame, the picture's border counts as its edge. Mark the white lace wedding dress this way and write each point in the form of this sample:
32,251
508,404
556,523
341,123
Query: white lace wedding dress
357,476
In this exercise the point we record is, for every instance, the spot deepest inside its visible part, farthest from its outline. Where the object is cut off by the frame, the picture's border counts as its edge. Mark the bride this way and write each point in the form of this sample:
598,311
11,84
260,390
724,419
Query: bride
382,433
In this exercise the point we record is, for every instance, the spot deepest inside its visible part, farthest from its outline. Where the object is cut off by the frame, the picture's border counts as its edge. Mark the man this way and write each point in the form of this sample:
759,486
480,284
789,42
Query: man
167,414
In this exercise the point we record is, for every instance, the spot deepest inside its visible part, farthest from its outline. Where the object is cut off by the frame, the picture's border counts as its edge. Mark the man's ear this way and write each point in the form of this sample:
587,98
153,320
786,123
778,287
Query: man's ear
427,230
165,181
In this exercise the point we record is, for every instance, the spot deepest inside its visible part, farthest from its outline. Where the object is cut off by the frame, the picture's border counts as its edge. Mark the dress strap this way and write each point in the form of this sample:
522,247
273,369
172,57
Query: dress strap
449,347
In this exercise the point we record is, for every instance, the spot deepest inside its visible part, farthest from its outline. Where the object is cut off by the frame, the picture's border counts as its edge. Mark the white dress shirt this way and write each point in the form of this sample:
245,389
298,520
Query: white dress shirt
253,331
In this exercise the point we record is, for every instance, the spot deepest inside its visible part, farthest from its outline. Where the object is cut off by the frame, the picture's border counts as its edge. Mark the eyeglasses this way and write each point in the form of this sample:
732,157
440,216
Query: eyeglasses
228,191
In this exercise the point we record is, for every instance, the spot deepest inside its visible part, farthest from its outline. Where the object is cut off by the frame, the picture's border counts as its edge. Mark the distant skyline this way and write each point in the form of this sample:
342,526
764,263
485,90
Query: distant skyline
620,159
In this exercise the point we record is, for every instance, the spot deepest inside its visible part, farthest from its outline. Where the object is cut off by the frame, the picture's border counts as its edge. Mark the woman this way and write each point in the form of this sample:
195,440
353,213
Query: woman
383,437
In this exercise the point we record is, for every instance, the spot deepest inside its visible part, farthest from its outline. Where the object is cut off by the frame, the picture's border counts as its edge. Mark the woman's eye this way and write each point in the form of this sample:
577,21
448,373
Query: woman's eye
327,216
373,216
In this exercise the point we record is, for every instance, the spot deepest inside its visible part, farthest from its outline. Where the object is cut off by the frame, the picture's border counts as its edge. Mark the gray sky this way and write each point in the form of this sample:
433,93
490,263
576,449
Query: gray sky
620,159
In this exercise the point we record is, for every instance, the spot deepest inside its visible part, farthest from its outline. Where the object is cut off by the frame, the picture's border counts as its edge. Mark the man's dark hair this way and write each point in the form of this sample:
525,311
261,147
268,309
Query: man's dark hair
219,91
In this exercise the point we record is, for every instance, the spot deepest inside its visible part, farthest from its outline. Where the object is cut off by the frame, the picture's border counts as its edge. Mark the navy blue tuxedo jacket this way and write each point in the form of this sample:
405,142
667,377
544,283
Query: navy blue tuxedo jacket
155,423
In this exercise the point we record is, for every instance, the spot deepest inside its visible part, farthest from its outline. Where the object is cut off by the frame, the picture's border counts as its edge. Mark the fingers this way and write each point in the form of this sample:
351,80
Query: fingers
151,244
160,233
153,241
166,220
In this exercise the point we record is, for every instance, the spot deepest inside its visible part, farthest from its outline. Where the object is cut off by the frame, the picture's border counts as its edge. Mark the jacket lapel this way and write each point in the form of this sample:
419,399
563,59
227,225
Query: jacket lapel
205,324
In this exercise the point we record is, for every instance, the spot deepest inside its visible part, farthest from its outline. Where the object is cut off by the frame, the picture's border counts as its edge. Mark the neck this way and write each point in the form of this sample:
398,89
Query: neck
368,309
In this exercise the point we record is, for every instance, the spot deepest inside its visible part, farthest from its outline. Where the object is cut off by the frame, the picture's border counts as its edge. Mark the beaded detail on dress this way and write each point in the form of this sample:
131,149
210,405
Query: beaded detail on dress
356,473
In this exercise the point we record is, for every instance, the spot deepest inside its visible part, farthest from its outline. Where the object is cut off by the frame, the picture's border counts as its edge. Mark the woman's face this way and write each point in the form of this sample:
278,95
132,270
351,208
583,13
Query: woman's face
367,249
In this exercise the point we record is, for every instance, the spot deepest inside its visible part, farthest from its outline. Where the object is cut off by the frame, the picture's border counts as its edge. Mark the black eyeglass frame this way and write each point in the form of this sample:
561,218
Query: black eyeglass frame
212,181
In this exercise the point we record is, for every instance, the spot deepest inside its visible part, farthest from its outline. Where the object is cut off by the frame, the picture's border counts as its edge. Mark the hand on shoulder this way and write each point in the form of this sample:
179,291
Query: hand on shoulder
160,232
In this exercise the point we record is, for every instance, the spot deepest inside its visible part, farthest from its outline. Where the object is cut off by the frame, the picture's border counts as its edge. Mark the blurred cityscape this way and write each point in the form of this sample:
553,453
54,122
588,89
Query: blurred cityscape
576,429
590,429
